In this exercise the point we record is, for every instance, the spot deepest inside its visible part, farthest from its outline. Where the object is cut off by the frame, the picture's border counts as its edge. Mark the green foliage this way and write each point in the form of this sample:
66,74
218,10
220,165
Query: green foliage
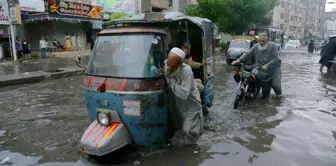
118,15
234,15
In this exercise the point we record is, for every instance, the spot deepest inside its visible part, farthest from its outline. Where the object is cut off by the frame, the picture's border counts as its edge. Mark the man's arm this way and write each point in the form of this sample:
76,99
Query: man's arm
182,91
194,65
274,54
248,55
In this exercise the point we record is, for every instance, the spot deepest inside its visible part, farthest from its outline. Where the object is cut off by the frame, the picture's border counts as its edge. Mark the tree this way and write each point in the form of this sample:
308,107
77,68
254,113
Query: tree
117,15
234,15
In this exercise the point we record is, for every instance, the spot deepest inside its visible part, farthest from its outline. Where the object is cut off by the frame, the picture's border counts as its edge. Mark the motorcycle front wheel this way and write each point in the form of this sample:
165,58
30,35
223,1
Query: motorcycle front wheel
236,102
240,93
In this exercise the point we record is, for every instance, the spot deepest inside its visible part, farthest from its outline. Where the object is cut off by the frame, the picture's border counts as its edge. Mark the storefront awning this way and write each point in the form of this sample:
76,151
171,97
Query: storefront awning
44,17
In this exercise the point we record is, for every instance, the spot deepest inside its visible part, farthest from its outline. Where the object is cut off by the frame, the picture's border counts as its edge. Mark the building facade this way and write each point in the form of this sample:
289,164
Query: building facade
300,17
165,5
330,24
330,28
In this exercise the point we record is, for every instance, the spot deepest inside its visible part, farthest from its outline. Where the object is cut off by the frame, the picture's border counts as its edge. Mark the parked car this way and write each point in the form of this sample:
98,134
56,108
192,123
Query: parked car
292,44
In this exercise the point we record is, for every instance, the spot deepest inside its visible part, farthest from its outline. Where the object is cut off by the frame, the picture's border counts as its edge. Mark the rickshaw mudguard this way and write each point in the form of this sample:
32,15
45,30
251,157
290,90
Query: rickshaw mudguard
208,92
100,140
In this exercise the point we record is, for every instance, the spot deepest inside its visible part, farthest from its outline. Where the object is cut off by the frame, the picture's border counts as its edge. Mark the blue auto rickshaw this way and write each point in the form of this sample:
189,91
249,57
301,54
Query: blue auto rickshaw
126,101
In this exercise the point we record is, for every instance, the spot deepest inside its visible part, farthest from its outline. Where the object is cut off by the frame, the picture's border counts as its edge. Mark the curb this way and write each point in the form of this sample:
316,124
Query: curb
38,76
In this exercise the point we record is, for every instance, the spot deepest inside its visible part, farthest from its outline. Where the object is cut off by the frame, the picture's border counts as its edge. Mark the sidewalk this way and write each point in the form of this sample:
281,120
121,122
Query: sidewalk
66,54
28,71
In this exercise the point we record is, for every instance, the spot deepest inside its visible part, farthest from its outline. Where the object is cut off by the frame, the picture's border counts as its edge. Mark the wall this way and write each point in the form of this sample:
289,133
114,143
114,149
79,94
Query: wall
34,31
330,28
163,4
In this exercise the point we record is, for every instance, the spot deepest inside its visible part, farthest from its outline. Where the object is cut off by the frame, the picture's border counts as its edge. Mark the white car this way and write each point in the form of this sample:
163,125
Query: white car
293,44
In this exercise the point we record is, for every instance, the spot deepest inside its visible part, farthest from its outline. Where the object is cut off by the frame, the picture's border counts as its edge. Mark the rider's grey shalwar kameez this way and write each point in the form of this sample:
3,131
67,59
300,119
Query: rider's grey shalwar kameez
268,57
186,99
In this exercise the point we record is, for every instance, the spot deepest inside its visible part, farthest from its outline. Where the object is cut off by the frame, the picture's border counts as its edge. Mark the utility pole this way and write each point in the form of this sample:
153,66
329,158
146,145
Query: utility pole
306,19
12,32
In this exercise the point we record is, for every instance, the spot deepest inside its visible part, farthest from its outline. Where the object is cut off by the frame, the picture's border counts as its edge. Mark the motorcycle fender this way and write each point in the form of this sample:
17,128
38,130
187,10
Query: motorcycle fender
100,140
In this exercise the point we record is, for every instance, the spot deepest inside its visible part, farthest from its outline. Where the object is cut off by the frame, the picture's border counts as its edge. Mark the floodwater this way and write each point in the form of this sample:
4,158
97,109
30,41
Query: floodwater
41,124
37,64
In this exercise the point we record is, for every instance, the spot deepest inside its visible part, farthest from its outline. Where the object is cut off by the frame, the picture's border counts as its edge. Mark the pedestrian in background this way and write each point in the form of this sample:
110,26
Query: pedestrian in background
43,47
73,42
67,42
26,49
18,46
79,42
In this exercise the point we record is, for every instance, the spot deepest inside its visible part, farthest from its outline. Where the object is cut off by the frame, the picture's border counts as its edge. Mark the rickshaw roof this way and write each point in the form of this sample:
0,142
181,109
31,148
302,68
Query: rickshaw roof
245,37
120,30
241,40
160,17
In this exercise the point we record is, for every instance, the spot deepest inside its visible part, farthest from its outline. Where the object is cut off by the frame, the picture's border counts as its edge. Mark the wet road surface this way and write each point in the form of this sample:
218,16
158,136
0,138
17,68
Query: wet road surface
41,124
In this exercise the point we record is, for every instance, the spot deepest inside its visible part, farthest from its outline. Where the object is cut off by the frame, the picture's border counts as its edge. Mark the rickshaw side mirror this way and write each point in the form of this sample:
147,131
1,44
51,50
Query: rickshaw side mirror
78,59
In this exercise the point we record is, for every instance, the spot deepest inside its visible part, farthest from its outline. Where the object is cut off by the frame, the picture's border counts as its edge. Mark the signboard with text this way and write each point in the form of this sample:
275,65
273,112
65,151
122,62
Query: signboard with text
32,5
15,14
4,13
74,9
112,6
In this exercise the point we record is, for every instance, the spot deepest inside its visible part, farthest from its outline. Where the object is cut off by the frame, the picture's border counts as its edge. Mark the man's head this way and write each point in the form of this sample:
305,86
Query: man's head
17,38
175,59
42,38
186,48
263,39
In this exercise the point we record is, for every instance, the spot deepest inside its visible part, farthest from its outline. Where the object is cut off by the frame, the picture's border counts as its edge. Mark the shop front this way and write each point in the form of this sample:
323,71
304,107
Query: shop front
61,17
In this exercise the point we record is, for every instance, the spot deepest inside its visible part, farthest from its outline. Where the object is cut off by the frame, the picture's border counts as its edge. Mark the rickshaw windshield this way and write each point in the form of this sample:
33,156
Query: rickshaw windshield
239,44
130,55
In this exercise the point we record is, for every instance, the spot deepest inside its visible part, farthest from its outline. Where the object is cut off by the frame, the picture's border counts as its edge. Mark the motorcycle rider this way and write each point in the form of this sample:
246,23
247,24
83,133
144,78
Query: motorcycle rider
266,55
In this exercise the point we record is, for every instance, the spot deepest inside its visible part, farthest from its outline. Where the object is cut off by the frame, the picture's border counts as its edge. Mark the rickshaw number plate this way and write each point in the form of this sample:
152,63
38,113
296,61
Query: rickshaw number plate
132,107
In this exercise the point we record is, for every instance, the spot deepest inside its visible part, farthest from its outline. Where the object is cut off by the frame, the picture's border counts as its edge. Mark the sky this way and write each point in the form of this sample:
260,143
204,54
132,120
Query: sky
330,6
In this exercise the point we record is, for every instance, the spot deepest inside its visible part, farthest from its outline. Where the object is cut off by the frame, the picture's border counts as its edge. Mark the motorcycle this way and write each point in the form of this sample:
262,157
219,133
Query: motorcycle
249,86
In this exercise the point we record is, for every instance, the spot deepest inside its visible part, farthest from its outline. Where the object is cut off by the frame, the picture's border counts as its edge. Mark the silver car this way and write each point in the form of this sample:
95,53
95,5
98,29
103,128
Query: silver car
237,48
293,44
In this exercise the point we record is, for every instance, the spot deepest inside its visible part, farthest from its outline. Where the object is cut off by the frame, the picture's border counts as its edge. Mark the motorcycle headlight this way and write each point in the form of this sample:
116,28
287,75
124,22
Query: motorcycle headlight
104,118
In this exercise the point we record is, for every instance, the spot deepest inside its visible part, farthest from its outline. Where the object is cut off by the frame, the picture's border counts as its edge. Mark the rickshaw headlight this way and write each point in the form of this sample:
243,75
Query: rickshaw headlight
104,118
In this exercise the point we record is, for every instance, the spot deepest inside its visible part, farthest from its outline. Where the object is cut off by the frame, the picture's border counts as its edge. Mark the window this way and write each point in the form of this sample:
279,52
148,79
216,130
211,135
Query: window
170,3
282,26
282,16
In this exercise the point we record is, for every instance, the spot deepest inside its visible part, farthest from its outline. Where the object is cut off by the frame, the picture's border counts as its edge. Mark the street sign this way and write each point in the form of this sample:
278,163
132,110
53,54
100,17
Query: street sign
15,15
4,13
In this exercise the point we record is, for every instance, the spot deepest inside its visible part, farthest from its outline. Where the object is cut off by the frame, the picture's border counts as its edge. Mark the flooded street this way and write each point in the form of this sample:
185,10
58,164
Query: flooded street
41,123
